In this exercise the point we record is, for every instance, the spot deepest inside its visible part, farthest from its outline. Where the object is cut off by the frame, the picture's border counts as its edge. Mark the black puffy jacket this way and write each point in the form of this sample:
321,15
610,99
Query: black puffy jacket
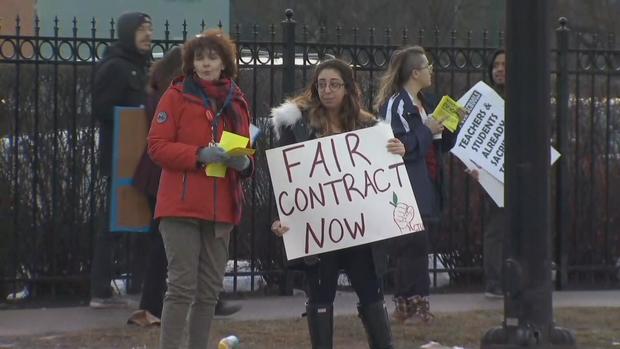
120,80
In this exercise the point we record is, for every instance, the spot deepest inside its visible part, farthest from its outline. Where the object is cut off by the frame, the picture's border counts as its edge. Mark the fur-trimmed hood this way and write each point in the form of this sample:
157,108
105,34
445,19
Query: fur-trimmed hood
287,114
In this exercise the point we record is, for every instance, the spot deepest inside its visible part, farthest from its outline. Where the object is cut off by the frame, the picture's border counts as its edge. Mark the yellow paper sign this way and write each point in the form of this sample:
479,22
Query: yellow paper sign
241,151
447,110
228,142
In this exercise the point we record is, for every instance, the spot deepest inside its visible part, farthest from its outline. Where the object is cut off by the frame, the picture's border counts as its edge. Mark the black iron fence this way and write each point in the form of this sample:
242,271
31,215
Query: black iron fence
51,193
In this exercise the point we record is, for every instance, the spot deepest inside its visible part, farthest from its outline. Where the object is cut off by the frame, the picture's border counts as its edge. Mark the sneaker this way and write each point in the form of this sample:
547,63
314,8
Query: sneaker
107,303
493,292
223,308
143,318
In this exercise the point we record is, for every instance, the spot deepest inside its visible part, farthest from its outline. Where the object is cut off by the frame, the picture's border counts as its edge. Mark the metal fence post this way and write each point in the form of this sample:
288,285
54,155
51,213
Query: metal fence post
288,54
288,88
562,184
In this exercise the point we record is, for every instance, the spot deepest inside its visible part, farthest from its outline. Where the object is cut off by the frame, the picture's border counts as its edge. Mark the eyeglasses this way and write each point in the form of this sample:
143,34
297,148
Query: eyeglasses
428,66
333,85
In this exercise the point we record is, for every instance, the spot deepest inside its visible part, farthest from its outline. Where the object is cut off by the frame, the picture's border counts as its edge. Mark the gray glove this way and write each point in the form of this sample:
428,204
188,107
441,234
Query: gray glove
238,163
212,154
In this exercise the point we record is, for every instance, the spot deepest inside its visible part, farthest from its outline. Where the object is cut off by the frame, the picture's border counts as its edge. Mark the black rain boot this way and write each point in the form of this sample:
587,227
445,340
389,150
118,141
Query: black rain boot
320,325
377,324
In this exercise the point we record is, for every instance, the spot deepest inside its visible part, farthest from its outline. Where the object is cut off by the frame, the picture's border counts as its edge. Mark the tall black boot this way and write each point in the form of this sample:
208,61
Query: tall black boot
377,324
320,325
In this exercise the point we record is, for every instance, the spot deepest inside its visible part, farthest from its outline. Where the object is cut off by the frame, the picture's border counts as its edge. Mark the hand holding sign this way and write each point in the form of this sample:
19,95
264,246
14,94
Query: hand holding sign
395,146
279,229
473,173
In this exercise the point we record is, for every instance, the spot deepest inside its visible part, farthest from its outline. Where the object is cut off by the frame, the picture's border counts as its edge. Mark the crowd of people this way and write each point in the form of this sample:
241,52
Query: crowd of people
191,98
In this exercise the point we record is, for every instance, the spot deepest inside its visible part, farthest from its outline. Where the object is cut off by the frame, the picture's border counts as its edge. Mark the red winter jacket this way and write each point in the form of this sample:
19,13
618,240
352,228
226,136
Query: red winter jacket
181,126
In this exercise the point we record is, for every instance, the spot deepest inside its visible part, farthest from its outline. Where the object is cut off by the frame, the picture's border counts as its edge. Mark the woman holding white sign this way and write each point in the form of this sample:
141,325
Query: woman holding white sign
331,105
409,111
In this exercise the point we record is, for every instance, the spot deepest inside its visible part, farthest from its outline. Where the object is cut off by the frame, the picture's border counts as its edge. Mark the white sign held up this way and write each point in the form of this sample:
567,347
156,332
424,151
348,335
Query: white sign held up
341,191
481,138
480,142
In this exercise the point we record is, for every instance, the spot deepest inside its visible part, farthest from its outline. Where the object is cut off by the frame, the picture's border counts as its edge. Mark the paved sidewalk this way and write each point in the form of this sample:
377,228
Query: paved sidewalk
59,320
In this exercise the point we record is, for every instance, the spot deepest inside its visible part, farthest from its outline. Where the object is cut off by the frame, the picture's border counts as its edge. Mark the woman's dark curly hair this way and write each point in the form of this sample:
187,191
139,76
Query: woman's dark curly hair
216,41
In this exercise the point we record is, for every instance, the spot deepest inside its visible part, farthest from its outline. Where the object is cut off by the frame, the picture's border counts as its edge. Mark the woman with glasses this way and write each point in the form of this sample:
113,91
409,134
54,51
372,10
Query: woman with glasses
331,105
401,102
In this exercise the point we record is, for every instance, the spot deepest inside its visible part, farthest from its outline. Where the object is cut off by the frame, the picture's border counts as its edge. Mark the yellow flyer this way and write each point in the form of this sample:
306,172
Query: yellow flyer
241,151
231,143
447,110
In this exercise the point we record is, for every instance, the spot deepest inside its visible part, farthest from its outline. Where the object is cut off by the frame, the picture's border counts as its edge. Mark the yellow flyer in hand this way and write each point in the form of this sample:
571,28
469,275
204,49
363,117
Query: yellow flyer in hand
232,143
241,151
447,110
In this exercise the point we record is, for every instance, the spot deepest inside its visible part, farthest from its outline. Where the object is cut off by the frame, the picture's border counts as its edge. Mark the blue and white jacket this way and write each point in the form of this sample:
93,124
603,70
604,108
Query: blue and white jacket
407,126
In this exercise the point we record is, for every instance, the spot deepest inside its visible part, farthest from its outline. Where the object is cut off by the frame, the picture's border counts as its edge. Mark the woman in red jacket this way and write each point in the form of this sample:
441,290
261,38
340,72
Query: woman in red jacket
197,212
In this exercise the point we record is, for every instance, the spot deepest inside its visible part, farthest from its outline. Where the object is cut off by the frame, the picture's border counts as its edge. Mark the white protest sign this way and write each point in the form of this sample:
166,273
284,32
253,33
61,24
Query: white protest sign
480,142
341,191
481,138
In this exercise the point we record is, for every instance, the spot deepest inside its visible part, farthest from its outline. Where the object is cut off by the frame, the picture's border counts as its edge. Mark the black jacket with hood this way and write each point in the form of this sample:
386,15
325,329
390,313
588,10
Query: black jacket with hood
120,80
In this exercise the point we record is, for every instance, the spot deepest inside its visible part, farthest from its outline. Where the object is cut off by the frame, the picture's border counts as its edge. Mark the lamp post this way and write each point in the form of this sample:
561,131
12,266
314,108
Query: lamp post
528,312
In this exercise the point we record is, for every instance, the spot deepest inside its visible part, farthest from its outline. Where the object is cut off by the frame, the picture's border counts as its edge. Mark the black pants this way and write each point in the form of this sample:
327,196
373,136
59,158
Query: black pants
410,253
493,246
155,276
152,273
357,263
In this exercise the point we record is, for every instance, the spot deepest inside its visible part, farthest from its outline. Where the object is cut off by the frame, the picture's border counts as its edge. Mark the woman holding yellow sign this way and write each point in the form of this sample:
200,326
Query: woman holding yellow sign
409,111
200,123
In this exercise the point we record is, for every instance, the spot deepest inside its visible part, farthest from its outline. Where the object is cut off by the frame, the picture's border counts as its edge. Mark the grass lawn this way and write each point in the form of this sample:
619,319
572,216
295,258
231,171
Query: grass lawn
595,328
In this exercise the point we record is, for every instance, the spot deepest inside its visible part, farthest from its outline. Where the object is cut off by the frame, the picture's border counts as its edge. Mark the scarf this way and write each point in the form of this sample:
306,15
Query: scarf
231,117
218,91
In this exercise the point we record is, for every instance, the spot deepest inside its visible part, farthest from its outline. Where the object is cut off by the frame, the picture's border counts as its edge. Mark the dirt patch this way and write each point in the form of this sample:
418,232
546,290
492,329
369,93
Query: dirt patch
596,328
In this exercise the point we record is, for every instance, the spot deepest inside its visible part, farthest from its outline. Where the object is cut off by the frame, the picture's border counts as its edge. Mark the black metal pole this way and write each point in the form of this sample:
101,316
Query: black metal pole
288,88
528,312
563,210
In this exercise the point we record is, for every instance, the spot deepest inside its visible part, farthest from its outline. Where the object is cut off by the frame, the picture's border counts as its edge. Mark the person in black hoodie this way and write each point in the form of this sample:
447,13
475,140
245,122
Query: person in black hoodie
495,217
120,80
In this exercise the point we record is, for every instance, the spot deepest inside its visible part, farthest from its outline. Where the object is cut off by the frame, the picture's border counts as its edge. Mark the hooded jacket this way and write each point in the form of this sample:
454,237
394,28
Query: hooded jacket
120,80
181,127
406,122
